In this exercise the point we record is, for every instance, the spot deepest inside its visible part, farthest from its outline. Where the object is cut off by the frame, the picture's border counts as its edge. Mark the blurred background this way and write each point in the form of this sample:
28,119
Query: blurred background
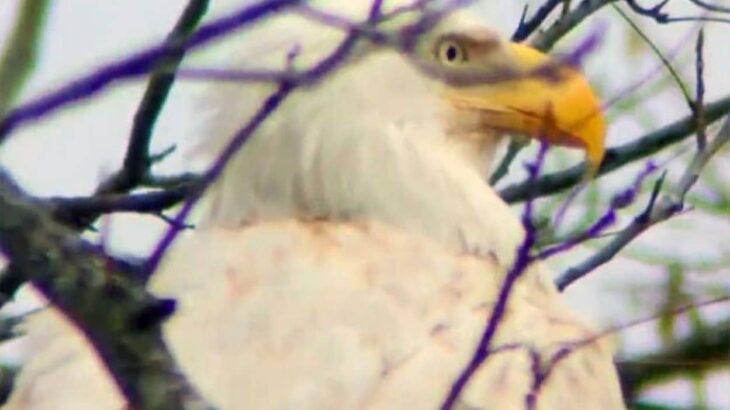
682,261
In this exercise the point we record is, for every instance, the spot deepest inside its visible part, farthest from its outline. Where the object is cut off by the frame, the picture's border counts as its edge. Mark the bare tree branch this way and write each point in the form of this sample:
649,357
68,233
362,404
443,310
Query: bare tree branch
527,26
523,259
667,206
617,157
325,66
79,279
137,161
139,64
657,13
548,38
78,210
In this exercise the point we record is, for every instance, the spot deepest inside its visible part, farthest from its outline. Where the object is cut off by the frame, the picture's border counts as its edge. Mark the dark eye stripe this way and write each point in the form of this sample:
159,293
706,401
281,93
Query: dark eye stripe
480,44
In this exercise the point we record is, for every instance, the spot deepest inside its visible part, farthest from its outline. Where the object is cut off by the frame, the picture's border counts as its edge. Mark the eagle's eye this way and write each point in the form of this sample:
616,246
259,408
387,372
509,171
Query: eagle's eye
450,52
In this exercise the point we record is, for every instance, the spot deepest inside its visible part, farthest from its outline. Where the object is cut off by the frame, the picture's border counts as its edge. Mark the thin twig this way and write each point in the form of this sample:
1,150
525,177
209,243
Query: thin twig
137,161
548,38
523,259
528,26
325,66
657,13
697,105
139,64
657,211
665,61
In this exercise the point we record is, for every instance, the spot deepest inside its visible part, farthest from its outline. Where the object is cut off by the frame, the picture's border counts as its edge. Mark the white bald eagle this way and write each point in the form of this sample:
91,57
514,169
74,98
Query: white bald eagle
352,251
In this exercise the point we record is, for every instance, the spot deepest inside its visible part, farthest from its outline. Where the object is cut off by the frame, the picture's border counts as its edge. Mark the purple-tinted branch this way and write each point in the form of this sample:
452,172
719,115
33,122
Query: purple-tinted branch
542,369
658,210
616,157
627,197
145,61
657,13
403,43
594,231
563,210
135,65
324,67
598,228
269,106
212,74
518,268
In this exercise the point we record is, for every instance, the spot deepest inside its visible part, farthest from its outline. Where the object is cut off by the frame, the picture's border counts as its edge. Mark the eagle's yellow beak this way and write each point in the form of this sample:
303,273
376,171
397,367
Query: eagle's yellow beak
559,107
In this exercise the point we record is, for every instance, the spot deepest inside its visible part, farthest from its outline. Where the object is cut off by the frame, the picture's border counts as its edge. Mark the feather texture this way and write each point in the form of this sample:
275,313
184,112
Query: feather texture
321,315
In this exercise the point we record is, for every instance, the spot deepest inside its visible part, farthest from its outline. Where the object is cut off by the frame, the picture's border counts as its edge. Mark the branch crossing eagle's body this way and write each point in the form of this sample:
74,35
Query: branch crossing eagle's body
352,251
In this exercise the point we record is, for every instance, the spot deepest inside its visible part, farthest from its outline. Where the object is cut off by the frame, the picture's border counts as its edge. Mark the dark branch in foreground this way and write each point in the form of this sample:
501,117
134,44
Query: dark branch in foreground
78,210
79,279
548,38
523,260
528,26
137,161
616,157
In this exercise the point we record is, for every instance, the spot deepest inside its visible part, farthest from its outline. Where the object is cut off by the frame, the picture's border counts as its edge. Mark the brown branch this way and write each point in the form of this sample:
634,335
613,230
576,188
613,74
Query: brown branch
118,317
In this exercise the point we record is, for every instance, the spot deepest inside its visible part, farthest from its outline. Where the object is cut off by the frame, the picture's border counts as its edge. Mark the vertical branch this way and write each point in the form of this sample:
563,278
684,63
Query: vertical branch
19,58
137,161
698,104
522,261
